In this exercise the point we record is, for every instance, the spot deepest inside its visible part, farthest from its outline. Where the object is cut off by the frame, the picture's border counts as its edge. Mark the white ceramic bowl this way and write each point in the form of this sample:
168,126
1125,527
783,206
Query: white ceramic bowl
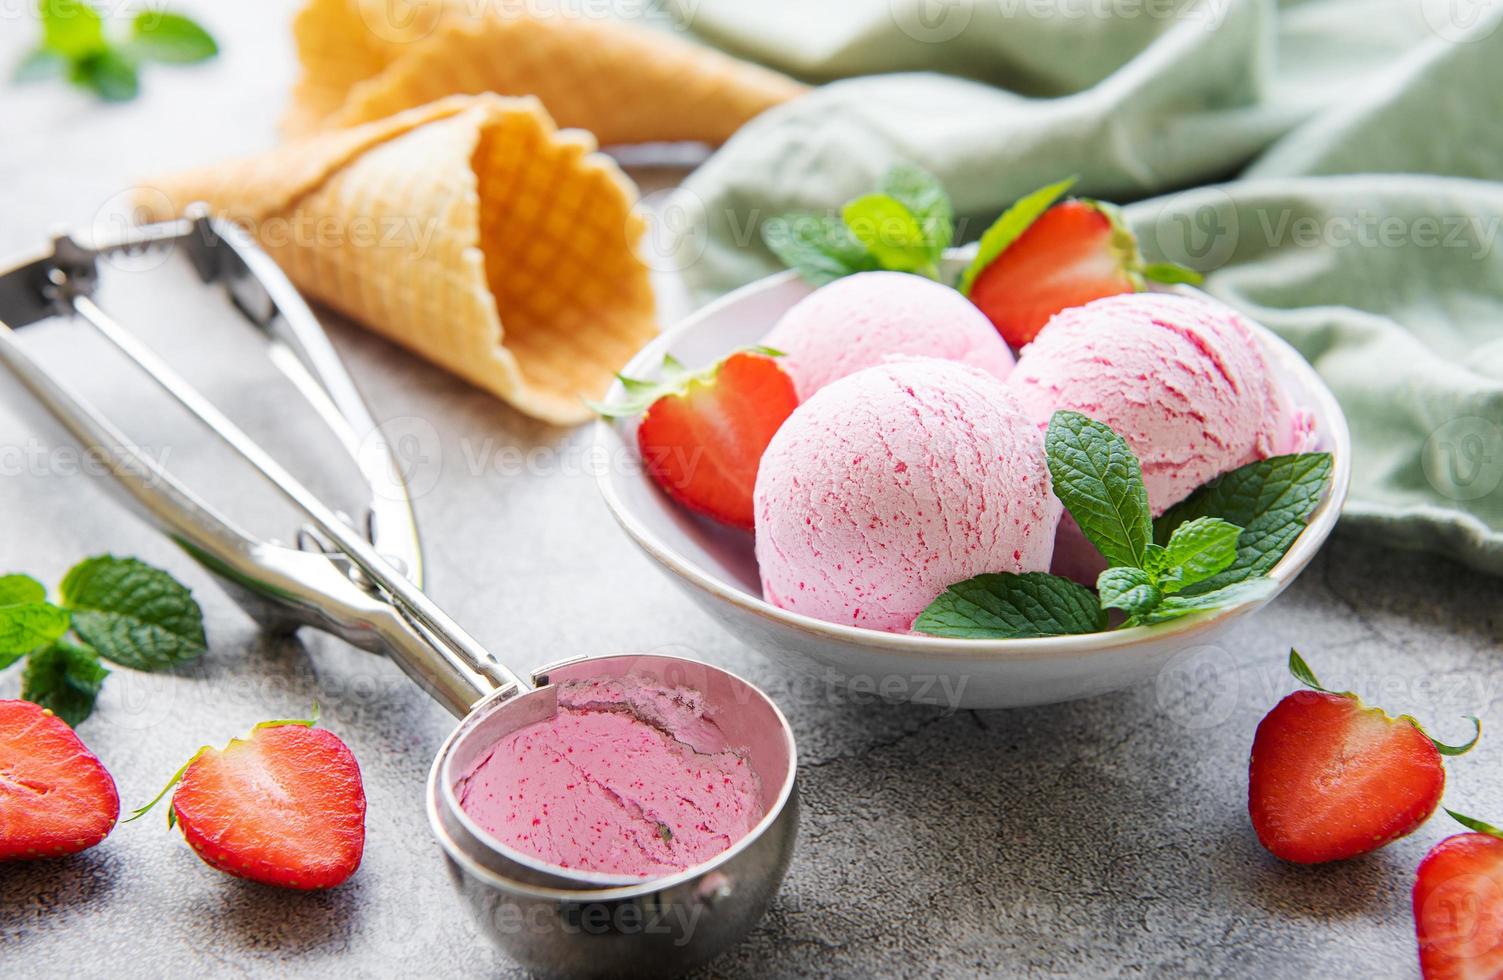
715,565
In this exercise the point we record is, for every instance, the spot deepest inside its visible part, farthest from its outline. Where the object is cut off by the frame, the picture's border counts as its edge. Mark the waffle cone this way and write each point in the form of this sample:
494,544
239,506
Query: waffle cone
622,82
471,231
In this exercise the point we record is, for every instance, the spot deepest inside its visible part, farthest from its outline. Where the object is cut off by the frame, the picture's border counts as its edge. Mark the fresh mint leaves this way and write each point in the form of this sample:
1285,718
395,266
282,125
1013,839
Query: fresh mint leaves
1270,499
75,45
64,677
1012,606
133,614
1100,482
27,619
119,609
1211,551
1196,551
904,226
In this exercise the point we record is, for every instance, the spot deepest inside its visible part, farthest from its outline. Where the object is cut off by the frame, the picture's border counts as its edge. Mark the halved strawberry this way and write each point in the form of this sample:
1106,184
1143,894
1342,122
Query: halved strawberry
1458,905
1331,778
284,807
1041,257
55,796
703,434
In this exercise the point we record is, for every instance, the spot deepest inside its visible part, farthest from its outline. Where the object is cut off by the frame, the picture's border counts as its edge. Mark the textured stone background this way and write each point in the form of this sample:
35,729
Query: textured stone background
1101,838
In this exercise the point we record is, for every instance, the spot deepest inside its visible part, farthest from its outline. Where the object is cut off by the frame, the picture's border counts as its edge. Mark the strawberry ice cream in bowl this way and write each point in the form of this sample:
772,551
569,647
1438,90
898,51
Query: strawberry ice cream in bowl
1022,473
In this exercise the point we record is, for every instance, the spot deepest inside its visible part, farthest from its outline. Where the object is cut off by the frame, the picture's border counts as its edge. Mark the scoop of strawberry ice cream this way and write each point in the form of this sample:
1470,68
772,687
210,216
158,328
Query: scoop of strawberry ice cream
894,483
856,322
1182,378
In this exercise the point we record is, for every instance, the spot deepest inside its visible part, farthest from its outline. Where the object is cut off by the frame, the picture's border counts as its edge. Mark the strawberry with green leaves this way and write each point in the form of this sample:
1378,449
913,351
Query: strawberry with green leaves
702,434
1041,257
284,807
1331,778
56,797
1458,905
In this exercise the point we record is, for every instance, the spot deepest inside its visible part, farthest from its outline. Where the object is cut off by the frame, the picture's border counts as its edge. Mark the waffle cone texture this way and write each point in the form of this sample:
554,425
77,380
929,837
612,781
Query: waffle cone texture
470,230
366,59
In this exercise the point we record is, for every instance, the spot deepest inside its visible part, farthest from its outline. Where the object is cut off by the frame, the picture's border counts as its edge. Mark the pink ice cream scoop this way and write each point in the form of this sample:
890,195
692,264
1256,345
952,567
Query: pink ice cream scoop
1181,378
891,484
627,778
856,322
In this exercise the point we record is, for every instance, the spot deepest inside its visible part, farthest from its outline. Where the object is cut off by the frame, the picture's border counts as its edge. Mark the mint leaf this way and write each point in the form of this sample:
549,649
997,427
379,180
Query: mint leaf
1177,606
27,620
1131,590
922,194
66,678
890,232
71,29
109,74
1006,229
135,615
170,38
818,246
1270,500
1003,606
1196,550
1097,477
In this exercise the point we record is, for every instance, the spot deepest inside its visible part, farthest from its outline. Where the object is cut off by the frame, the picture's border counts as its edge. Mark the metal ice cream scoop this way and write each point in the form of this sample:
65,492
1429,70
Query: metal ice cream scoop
364,586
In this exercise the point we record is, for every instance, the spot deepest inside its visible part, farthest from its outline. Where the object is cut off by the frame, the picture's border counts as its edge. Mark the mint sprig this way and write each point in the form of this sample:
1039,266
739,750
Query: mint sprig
1210,552
905,225
27,620
1007,606
1099,480
76,45
118,609
1270,499
64,677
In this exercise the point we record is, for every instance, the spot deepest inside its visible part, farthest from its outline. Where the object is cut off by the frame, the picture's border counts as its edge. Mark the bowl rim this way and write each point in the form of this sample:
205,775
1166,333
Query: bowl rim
1332,423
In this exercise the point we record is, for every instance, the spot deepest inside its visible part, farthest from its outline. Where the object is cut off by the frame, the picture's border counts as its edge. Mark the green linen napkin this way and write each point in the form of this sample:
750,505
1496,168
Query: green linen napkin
1330,164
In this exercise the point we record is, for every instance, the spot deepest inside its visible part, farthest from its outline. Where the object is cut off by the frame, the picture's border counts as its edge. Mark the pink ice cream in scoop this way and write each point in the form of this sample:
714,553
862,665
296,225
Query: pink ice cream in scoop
856,322
894,483
1181,378
627,778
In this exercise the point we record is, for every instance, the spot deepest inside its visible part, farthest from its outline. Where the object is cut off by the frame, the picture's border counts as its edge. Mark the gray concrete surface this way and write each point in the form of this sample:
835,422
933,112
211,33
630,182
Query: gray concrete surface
1101,838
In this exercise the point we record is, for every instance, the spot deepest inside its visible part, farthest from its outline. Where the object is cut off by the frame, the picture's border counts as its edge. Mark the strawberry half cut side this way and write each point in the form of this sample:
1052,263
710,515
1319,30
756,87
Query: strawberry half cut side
1458,905
284,807
702,434
1330,778
1042,257
56,797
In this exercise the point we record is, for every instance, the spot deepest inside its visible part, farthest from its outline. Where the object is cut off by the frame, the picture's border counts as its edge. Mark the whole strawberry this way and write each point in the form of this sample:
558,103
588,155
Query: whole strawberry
1041,257
1331,778
1458,905
284,807
55,796
702,434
